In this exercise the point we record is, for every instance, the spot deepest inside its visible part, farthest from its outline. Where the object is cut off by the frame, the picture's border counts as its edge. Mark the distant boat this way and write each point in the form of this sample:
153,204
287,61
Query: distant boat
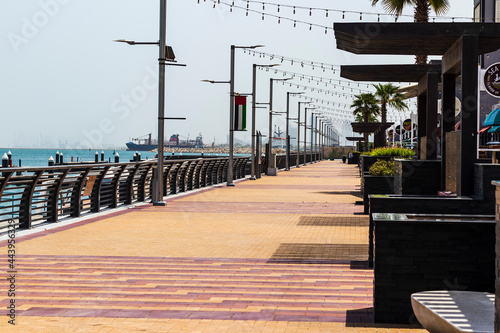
146,143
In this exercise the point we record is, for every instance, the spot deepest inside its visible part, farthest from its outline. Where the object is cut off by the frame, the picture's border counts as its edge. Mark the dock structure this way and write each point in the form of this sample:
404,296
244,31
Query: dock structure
280,254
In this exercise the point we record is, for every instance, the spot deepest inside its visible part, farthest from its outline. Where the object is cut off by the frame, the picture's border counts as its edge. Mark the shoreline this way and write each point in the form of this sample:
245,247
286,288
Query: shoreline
246,151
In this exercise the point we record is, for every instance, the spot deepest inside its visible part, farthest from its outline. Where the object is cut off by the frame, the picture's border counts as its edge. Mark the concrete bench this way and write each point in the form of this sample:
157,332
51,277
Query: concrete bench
455,311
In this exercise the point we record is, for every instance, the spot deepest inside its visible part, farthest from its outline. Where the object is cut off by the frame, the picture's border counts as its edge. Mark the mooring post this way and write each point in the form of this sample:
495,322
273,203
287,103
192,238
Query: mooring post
9,155
5,161
102,156
61,158
57,157
96,157
117,158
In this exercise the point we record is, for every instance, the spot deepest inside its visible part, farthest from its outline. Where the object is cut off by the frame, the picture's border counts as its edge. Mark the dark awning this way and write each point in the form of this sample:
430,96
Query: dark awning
387,73
355,138
412,38
370,127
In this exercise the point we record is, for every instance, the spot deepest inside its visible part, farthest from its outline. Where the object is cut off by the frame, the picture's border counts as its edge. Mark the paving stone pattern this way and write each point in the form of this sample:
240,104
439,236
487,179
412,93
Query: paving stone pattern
279,254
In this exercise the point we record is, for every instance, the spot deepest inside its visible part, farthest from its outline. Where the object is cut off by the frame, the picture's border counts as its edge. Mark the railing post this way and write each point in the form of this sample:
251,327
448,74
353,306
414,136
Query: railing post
141,187
95,198
52,203
27,197
130,184
76,194
115,185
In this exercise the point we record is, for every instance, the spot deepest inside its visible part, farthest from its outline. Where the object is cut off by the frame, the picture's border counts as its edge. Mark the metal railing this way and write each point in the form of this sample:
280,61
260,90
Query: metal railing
47,194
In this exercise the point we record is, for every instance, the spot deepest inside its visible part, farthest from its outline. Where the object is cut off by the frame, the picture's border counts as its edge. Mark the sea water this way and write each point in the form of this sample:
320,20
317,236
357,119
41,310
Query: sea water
40,157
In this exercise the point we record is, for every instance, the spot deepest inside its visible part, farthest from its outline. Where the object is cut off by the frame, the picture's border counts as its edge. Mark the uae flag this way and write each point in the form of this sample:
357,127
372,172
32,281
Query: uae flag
240,113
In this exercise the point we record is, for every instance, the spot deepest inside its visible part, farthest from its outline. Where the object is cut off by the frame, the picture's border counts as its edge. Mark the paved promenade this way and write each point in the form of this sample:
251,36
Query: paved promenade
280,254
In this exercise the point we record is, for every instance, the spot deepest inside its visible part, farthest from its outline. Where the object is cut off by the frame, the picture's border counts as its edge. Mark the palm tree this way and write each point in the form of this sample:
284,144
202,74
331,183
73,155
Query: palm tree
366,108
371,119
421,14
388,95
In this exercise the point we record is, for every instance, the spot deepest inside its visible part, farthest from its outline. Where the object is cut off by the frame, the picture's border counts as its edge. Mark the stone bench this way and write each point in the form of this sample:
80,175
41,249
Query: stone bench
455,311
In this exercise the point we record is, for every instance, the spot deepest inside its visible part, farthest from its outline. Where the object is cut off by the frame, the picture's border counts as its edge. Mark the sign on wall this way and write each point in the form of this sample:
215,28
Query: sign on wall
491,80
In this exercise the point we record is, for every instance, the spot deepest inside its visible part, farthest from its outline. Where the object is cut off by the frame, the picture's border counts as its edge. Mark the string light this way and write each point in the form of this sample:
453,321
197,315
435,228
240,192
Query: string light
295,7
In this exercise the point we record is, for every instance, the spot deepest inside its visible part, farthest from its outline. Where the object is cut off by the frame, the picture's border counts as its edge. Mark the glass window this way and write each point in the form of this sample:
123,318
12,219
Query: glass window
477,12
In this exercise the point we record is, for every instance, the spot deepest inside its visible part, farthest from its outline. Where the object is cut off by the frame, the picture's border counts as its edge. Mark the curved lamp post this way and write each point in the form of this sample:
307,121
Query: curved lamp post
231,109
287,157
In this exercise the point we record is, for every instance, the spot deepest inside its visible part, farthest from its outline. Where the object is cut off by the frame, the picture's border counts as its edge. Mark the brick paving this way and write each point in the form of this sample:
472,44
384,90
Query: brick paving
279,254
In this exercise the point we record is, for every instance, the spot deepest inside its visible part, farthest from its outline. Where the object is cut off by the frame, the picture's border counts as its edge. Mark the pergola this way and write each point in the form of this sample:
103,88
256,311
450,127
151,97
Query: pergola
459,44
403,73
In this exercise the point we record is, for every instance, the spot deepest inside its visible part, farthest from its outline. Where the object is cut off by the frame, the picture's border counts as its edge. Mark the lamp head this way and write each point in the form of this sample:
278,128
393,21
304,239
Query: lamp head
129,42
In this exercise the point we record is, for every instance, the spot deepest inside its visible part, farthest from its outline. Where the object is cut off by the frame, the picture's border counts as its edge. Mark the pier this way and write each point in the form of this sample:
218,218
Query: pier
280,254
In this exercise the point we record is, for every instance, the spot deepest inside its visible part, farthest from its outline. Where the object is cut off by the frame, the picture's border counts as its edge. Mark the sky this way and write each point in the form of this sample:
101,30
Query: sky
65,82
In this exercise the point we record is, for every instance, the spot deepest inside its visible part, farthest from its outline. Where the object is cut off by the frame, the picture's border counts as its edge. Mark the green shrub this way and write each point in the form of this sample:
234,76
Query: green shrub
335,154
382,168
390,151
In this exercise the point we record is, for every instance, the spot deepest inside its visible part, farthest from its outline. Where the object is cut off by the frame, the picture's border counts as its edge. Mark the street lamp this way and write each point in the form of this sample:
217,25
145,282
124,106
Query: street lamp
166,55
287,156
254,103
231,109
305,134
298,133
270,139
314,128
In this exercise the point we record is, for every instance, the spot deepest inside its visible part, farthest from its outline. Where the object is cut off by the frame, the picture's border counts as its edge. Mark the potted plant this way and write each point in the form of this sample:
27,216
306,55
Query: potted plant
380,180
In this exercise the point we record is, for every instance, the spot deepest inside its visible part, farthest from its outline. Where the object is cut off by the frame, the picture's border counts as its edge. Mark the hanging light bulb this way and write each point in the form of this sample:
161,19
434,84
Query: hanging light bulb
360,16
294,9
378,19
326,32
246,13
278,8
310,11
294,24
248,4
262,16
310,26
279,20
343,15
263,6
327,13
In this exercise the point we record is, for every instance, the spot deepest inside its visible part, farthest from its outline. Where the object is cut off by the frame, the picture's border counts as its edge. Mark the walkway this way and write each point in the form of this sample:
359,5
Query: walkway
280,254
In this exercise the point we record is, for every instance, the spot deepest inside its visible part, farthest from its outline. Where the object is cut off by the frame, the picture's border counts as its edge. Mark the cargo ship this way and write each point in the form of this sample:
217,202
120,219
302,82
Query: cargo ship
146,143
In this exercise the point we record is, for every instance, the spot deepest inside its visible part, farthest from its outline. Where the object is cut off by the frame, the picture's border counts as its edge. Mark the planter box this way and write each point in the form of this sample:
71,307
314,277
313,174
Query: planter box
418,253
417,177
353,158
368,161
376,185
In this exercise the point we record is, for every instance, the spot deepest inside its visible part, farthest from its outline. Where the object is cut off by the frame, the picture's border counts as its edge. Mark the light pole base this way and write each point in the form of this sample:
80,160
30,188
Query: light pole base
287,169
252,178
298,166
159,203
272,172
230,184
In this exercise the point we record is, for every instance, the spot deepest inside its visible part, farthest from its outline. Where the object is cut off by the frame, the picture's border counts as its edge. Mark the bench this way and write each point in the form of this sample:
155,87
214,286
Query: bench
455,311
